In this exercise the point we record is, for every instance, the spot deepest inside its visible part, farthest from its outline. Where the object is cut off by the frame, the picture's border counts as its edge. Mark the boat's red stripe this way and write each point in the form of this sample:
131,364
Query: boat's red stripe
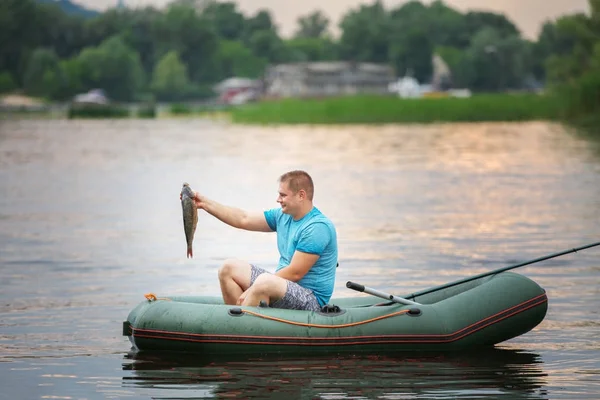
344,340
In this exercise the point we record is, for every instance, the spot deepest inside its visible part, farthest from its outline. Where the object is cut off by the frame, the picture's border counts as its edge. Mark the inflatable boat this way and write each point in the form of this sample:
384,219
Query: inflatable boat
474,313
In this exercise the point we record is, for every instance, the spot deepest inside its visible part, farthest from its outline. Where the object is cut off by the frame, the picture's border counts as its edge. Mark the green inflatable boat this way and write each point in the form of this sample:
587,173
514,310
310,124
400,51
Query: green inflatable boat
476,313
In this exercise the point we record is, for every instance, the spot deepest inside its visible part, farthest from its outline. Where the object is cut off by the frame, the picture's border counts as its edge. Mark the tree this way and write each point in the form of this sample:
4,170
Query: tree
73,72
182,29
170,79
446,26
235,59
19,35
595,12
312,49
141,35
43,76
7,83
411,53
478,20
542,49
495,63
262,21
575,71
227,21
313,25
575,37
268,45
62,32
110,23
114,67
365,34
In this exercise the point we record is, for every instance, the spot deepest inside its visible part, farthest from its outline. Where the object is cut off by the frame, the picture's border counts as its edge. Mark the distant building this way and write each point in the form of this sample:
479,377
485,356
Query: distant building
121,5
94,96
406,87
311,79
442,77
238,90
440,85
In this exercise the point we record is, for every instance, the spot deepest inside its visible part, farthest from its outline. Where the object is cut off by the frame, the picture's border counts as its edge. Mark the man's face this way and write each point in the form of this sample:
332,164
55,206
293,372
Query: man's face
287,199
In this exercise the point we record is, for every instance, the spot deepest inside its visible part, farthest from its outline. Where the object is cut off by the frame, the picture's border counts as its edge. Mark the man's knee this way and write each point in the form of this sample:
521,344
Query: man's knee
232,267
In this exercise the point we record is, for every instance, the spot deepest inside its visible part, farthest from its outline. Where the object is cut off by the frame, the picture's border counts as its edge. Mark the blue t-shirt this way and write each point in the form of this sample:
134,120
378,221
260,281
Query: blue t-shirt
315,234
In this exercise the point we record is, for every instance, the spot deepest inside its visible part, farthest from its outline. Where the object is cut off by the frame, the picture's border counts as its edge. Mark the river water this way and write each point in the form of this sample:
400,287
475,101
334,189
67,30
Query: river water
90,220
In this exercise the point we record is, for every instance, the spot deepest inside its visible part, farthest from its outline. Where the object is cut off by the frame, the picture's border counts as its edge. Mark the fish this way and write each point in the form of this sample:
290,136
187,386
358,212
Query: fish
190,217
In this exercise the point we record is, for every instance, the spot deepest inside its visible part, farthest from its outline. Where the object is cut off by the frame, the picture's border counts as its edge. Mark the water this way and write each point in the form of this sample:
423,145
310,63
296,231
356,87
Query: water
90,220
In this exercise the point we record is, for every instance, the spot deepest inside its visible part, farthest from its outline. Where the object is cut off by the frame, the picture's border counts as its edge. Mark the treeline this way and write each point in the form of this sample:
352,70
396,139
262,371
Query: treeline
182,51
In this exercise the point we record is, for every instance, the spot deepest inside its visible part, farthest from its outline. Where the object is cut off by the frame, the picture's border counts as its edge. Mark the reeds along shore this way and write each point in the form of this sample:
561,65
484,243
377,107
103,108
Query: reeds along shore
391,109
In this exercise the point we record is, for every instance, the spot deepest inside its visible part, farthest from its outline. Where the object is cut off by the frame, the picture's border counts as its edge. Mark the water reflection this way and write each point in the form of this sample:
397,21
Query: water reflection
90,221
496,373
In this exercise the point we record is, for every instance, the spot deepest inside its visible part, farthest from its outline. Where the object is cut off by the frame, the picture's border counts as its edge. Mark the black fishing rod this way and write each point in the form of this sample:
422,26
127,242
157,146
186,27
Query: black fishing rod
404,300
497,271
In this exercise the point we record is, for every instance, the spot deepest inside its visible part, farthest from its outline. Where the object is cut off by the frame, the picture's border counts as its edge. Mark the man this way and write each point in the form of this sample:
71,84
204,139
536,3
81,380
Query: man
307,243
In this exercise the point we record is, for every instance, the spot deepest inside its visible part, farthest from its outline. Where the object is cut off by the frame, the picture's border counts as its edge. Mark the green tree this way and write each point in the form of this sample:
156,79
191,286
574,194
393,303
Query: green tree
261,21
446,26
542,49
62,32
411,53
7,83
114,67
313,25
478,20
73,74
43,76
139,33
411,13
365,34
452,56
574,39
235,59
182,29
312,49
170,79
19,35
110,23
268,45
228,22
494,63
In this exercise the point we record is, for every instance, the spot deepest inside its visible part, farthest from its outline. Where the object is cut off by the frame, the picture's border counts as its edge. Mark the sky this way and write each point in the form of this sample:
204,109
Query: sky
528,15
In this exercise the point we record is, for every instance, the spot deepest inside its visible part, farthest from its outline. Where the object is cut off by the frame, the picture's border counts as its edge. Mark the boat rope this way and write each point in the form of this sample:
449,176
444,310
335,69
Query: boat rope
152,297
325,326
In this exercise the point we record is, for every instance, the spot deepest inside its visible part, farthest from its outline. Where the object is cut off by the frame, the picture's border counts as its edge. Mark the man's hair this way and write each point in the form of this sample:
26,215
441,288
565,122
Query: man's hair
298,180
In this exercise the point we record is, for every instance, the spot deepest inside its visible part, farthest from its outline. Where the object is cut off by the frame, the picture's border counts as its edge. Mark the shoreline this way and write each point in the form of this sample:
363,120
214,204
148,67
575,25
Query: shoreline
347,110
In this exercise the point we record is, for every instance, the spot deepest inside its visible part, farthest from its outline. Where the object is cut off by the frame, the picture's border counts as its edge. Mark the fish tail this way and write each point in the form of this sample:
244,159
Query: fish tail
190,252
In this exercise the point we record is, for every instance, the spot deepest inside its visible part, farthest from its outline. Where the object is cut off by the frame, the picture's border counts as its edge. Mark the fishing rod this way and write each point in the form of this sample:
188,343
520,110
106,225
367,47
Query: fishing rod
497,271
404,300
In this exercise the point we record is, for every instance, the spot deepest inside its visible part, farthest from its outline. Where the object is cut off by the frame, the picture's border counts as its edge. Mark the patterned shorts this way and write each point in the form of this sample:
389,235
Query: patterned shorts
296,297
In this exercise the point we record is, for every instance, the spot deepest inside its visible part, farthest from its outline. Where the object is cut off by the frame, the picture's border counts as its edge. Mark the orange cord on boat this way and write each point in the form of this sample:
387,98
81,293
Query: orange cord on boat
152,297
326,326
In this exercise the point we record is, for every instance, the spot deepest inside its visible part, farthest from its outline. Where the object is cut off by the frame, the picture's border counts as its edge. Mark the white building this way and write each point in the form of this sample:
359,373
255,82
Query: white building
237,90
94,96
311,79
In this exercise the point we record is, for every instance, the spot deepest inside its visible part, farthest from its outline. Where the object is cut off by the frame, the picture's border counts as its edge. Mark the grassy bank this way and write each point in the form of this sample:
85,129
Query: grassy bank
110,111
389,109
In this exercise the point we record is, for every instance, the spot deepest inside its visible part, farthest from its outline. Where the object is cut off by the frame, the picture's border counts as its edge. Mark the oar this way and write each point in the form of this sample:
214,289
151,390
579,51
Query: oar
395,299
497,271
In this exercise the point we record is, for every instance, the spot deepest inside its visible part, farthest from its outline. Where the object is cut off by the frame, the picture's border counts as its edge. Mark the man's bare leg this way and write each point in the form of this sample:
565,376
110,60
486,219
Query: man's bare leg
266,287
234,277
